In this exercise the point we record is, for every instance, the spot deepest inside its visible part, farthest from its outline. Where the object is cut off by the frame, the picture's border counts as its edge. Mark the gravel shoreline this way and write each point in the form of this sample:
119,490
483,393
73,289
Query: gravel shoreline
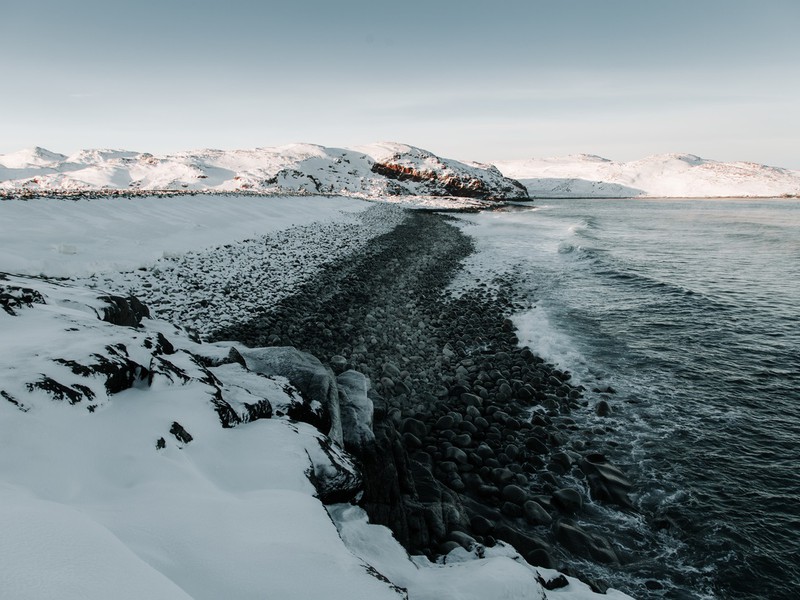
474,442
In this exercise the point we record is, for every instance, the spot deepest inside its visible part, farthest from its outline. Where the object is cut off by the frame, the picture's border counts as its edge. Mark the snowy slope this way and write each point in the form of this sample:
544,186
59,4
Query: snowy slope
132,469
664,175
369,172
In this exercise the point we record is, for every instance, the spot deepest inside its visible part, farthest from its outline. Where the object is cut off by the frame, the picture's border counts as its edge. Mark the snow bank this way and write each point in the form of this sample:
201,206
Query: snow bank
66,238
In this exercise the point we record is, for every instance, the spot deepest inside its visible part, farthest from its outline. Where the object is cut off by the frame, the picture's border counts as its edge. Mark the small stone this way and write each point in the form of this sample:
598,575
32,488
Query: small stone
567,500
411,441
463,441
415,426
535,445
514,493
484,451
603,409
456,454
511,509
481,525
391,370
471,400
445,422
535,513
502,476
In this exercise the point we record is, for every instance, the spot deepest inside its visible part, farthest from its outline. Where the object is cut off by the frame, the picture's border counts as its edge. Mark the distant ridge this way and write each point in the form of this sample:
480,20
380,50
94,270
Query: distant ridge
379,170
386,169
662,175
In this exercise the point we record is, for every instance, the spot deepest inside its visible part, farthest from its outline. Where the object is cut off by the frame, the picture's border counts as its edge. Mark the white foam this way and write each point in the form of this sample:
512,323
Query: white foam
535,330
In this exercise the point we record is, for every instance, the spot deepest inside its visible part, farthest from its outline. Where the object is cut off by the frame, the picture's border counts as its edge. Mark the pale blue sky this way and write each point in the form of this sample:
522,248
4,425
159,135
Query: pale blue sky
473,80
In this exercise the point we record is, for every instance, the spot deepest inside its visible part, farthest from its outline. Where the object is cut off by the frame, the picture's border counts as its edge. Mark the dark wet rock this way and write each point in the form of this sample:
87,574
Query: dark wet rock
524,543
511,509
581,543
514,493
563,460
445,422
414,426
463,441
471,399
481,525
567,500
606,482
502,476
536,445
603,409
535,513
456,454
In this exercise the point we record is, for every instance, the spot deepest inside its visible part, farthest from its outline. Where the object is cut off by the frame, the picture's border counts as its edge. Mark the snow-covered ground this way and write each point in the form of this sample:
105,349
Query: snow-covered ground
64,238
377,171
231,252
664,175
117,477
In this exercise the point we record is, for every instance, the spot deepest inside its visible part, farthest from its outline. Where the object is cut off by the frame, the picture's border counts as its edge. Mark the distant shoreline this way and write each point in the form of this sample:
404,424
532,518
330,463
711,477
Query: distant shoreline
469,202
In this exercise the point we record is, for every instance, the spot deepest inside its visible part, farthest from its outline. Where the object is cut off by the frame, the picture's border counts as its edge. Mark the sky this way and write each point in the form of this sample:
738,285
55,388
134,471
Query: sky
466,79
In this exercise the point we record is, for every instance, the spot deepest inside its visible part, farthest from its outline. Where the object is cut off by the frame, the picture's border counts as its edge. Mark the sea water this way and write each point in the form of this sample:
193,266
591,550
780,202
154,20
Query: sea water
690,311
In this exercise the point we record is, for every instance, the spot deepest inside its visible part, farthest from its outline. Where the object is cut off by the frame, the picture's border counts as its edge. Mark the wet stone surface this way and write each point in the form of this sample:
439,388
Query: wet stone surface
473,442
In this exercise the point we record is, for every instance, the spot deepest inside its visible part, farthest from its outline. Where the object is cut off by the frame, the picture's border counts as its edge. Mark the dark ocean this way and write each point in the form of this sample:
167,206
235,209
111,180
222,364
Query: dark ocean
690,311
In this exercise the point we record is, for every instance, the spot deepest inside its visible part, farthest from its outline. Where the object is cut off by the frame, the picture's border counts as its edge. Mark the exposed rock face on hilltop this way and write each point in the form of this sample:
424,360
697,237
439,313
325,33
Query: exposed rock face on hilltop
662,175
374,171
442,176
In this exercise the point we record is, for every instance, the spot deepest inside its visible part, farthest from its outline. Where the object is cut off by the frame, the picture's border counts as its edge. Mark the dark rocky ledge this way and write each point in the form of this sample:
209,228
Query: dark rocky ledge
473,441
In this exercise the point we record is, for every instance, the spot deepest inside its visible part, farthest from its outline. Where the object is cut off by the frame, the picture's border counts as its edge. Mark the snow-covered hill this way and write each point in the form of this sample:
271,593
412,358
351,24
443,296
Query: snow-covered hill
664,175
386,169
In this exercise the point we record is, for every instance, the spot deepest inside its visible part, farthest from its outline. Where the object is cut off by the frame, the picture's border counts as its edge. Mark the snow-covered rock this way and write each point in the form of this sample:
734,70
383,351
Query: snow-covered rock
381,170
132,481
356,409
664,175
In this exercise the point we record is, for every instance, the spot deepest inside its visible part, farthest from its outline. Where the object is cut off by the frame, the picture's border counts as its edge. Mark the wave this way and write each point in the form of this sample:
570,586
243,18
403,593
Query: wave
549,341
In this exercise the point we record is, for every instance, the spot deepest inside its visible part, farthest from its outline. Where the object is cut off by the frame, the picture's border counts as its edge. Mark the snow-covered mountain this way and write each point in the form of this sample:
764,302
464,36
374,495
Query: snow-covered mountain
386,169
663,175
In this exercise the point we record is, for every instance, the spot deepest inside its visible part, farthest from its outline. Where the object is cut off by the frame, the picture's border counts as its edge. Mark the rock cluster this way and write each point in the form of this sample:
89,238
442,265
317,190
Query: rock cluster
473,441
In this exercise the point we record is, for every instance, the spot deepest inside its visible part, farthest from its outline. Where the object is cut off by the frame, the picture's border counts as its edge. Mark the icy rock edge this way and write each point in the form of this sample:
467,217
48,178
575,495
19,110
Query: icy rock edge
140,463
